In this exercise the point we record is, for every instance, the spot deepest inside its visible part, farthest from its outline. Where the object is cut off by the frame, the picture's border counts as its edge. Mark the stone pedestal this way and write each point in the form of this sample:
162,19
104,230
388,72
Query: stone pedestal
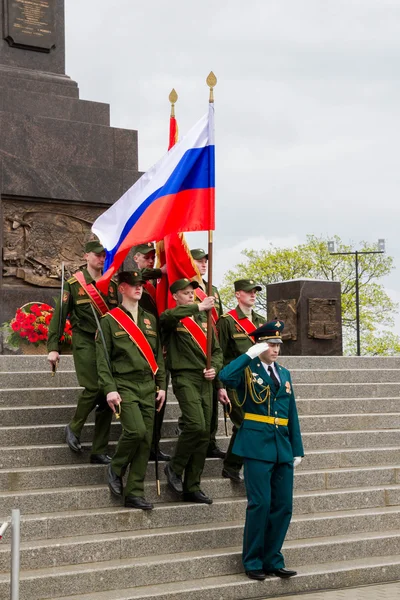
61,164
311,311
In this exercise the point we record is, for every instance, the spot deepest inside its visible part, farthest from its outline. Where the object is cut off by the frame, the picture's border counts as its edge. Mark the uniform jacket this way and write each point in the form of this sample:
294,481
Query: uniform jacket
125,357
183,352
232,339
257,440
76,303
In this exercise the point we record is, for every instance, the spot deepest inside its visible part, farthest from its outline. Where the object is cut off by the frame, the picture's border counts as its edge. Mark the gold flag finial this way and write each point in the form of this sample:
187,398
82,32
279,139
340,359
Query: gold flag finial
173,97
211,82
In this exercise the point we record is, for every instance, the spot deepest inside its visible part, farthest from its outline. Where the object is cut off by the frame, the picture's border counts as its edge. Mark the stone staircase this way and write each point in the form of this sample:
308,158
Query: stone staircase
78,543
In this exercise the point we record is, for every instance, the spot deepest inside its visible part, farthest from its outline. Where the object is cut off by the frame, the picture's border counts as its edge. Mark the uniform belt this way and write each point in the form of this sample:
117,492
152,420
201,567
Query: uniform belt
264,419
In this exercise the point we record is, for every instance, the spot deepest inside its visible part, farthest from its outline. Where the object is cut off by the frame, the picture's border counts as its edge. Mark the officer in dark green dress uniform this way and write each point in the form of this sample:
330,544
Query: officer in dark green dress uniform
184,331
131,372
234,340
144,256
200,258
76,302
269,440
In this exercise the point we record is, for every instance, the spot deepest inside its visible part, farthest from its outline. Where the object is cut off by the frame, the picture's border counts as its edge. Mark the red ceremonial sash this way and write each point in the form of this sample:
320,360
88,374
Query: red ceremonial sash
93,293
201,295
244,323
197,333
136,335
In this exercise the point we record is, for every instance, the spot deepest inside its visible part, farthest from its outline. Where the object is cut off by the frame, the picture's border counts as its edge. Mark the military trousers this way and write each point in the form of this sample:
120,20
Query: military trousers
231,460
84,352
137,420
194,394
159,419
214,421
269,488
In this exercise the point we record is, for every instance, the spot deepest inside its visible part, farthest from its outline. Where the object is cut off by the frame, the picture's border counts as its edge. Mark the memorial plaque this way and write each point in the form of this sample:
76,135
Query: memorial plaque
30,24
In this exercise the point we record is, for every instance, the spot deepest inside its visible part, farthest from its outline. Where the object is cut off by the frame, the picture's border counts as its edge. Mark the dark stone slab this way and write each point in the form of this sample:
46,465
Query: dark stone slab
73,182
33,35
125,144
43,83
311,311
53,107
129,178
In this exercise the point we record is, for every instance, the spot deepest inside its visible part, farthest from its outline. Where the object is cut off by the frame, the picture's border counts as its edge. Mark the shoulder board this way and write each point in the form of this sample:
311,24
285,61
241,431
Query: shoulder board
224,315
71,280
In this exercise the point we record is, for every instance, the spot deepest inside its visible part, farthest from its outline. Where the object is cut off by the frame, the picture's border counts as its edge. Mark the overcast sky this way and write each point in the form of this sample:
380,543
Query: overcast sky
307,107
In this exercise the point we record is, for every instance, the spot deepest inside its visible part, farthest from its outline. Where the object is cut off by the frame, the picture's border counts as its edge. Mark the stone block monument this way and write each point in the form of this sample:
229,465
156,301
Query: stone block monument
61,162
311,311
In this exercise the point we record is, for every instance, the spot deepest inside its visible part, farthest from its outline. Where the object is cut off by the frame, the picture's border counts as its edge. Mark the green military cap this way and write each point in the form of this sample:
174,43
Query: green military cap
144,248
94,246
181,284
199,253
130,277
246,285
269,332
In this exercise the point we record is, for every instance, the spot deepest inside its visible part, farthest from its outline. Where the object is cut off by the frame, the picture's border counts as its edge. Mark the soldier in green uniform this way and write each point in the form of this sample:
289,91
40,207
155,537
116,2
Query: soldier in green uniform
234,340
269,440
144,256
200,258
131,372
184,333
76,302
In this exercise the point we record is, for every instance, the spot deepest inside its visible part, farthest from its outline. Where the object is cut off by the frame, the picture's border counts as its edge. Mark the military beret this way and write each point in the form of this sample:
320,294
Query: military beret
269,332
198,254
181,284
144,248
130,277
94,246
246,285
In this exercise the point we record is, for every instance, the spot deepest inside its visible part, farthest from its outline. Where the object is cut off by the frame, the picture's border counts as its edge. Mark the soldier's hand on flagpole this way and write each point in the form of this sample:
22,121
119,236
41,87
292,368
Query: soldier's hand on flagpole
163,269
207,303
209,374
160,399
54,358
113,400
223,396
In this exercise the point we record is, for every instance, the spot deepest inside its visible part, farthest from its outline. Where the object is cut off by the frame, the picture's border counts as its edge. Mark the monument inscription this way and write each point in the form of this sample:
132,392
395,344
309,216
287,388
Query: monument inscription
30,24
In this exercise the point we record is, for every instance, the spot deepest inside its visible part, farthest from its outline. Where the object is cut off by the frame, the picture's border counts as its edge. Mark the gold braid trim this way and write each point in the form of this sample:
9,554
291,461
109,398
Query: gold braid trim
254,395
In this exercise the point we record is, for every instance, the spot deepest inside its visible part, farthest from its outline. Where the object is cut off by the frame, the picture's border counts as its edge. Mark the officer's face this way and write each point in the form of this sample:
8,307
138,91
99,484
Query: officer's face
247,298
95,261
202,265
131,292
185,296
270,355
145,261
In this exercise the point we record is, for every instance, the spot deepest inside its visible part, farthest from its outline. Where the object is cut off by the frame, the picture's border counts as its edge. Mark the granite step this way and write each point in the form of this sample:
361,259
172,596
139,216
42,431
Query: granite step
39,584
346,390
47,413
86,497
66,524
59,454
36,478
37,406
344,406
332,575
216,536
39,362
344,376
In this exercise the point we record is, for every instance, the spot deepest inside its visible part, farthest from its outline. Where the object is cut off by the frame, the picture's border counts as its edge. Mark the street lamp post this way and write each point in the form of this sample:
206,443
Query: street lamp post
356,253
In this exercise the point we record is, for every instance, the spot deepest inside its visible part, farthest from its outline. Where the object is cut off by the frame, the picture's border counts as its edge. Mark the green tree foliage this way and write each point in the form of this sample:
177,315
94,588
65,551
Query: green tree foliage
312,260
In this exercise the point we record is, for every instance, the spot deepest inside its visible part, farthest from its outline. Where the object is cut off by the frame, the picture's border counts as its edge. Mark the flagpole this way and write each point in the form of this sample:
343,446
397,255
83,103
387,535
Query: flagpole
211,82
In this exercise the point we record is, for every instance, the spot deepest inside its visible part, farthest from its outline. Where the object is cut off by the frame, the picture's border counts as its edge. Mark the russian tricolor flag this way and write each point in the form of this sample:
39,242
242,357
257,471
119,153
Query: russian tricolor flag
176,195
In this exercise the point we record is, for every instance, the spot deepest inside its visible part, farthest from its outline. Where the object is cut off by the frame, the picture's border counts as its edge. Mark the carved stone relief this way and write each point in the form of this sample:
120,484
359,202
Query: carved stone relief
322,321
287,311
38,237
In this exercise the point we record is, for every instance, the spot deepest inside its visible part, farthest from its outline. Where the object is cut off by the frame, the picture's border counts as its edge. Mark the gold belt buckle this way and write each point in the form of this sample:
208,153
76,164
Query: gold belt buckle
276,421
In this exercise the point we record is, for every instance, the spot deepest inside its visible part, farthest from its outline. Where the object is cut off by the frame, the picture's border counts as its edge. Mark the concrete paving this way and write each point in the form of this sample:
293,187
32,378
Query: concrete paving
389,591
